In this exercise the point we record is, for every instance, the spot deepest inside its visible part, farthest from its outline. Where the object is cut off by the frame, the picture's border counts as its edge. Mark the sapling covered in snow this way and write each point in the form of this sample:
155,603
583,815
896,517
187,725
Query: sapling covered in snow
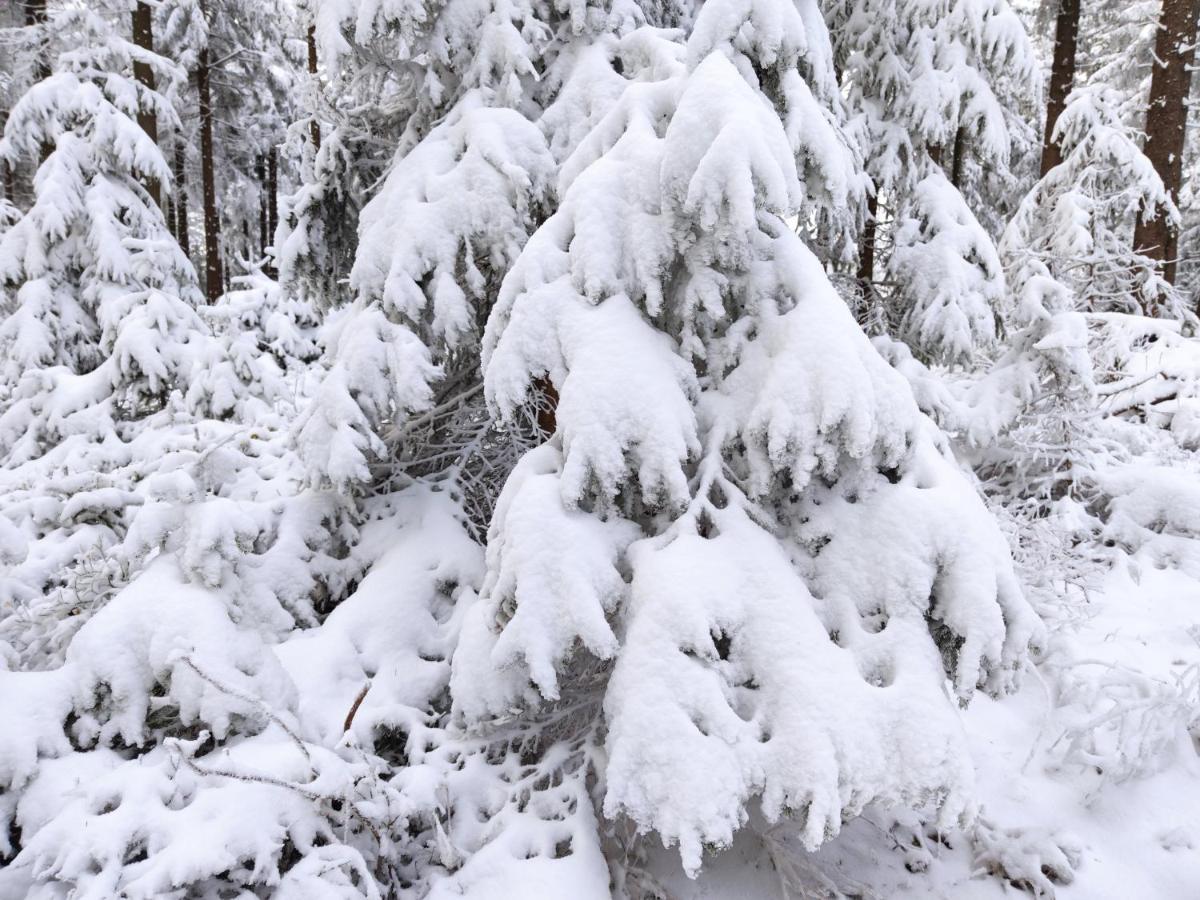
1078,220
727,444
1032,418
119,400
100,321
949,281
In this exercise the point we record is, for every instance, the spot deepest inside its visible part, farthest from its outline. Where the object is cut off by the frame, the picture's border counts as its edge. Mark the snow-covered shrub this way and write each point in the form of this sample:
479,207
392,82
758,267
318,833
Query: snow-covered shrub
1033,859
1151,372
1155,513
190,756
1115,722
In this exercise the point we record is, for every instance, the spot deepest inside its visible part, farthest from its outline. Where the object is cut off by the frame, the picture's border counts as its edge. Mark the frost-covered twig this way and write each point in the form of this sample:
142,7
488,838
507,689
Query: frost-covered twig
255,703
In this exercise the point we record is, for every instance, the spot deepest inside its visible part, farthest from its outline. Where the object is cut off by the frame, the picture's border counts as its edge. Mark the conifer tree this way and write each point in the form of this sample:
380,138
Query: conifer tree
933,85
1080,219
99,300
1157,233
711,483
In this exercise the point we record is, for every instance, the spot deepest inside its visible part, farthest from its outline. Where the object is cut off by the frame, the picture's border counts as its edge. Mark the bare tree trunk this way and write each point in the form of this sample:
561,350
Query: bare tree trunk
213,280
272,201
960,157
10,180
143,36
1062,78
314,127
272,192
35,16
866,249
260,172
1166,119
182,231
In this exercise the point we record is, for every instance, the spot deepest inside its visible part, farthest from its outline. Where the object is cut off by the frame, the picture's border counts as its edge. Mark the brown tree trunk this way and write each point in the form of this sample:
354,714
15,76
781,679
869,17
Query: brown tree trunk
314,127
143,36
1166,119
1062,78
212,222
182,231
547,406
960,157
866,249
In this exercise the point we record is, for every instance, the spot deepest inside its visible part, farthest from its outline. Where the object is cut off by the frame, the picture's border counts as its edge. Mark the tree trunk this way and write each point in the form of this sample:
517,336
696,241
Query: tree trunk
960,157
1062,78
143,36
272,193
260,172
272,203
9,179
1166,119
35,16
314,127
547,406
212,221
866,250
182,231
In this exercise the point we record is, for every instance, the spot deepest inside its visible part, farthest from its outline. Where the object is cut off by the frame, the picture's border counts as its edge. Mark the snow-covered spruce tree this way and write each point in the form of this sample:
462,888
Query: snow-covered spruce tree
467,185
100,322
1078,220
685,554
451,217
932,92
1031,421
1117,51
948,281
120,405
380,75
347,101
